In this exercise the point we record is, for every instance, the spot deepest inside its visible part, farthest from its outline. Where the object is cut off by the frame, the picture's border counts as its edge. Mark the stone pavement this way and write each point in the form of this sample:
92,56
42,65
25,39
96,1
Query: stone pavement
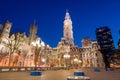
62,75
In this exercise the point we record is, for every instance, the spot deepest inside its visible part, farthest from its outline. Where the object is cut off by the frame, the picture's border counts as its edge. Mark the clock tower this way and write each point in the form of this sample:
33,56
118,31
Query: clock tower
67,32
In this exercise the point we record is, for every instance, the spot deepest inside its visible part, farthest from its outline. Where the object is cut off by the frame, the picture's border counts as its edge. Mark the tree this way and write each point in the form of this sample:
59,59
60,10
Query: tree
2,56
13,44
37,55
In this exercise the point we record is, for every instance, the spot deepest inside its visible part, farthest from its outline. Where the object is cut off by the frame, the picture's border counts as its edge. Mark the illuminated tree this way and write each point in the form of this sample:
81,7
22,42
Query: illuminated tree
37,55
13,44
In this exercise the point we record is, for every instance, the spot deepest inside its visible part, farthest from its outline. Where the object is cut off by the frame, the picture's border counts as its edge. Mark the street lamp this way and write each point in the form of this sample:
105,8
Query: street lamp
76,62
80,62
43,61
66,56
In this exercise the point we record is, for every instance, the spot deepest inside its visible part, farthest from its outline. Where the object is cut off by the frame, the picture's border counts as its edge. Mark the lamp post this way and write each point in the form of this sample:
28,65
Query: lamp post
66,56
80,62
76,62
43,61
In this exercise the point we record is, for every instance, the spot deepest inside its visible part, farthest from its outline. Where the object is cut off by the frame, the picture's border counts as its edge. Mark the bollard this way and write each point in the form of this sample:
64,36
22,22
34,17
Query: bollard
79,73
35,73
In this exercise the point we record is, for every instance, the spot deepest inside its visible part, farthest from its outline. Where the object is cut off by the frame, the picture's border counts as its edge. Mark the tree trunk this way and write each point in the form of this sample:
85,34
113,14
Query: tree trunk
9,60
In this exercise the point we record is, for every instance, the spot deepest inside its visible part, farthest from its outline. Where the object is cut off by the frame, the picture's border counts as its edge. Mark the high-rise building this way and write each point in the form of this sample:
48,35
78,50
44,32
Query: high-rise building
119,41
119,44
104,38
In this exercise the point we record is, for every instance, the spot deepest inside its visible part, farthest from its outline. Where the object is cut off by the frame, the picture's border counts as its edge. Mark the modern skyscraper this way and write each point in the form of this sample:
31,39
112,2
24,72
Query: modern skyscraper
119,41
119,44
104,38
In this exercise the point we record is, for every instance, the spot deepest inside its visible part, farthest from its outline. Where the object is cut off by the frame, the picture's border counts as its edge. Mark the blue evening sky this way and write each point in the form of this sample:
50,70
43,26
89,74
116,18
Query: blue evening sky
86,15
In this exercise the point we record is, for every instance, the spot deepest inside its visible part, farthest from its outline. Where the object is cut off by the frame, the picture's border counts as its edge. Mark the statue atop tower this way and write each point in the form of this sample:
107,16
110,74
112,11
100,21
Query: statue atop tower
67,32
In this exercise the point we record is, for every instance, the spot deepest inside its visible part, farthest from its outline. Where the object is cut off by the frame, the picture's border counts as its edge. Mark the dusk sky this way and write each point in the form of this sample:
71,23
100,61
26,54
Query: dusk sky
86,15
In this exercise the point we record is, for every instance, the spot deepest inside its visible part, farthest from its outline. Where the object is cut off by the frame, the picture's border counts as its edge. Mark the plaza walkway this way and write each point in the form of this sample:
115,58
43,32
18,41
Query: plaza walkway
61,75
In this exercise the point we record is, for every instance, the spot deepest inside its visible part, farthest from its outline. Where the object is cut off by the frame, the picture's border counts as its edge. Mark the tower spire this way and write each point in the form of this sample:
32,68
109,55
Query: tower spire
67,16
68,33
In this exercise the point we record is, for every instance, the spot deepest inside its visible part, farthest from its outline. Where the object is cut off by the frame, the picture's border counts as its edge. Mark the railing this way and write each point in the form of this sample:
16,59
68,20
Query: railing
15,69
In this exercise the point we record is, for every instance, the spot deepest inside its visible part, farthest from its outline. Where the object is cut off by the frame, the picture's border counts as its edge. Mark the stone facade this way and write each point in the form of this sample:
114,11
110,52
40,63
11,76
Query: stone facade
33,51
19,46
87,56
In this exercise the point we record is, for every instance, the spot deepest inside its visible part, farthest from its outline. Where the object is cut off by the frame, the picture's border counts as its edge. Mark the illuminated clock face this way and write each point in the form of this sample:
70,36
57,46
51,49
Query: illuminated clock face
66,24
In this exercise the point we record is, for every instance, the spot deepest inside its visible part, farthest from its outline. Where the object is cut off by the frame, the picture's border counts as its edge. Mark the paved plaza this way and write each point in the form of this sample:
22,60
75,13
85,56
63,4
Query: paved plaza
62,75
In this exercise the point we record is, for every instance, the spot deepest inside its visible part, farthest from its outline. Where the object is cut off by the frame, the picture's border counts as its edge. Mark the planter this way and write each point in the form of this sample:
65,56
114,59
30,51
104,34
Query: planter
79,73
35,73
